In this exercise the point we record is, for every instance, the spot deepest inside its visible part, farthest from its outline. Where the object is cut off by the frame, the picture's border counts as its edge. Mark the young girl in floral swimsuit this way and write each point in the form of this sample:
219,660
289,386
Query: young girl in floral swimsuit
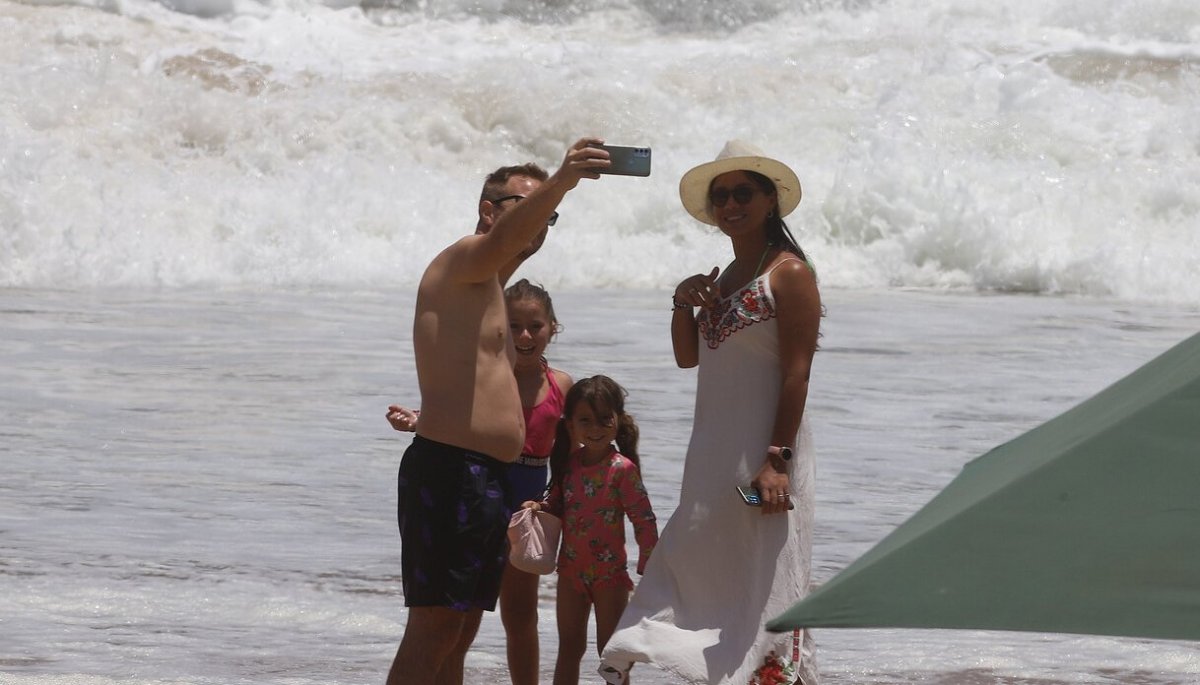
594,486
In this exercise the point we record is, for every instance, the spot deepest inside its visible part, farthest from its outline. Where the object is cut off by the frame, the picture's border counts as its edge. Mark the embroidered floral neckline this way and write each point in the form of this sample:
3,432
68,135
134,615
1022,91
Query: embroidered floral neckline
749,305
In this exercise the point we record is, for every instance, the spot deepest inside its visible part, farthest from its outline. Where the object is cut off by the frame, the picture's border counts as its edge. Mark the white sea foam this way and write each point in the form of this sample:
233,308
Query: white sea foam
1048,147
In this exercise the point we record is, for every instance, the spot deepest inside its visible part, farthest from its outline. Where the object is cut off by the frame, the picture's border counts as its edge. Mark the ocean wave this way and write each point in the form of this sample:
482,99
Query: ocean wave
719,15
301,145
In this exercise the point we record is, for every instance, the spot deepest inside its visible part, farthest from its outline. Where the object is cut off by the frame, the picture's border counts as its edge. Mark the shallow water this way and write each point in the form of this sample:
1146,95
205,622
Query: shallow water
198,486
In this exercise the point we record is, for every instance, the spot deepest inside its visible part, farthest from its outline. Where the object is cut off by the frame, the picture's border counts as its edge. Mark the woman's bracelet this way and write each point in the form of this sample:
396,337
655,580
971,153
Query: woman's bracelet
676,305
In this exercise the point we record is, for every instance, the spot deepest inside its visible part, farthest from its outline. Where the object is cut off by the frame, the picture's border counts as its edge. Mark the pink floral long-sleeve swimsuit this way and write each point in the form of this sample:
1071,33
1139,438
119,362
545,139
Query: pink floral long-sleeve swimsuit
593,502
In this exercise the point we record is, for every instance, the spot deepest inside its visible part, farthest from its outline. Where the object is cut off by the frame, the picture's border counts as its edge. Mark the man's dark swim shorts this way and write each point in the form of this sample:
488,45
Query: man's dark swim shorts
453,526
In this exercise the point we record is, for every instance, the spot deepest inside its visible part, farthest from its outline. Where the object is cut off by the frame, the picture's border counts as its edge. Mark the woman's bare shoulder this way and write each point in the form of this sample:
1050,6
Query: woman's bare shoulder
793,273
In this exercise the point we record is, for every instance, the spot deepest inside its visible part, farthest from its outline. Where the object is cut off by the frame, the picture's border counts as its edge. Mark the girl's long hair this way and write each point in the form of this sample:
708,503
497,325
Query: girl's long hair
602,394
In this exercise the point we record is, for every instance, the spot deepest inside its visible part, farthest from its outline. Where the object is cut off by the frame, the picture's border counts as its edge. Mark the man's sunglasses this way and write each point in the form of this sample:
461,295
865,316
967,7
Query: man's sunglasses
741,194
549,222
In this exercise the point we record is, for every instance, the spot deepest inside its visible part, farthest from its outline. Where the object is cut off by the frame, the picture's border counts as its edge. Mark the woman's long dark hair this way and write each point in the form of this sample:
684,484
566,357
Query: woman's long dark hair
602,394
777,231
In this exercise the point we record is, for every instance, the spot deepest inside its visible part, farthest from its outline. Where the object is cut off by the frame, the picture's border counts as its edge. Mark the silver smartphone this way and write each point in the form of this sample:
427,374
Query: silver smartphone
627,161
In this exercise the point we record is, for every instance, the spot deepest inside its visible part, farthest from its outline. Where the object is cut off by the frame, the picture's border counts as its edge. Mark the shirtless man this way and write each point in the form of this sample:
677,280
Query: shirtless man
452,515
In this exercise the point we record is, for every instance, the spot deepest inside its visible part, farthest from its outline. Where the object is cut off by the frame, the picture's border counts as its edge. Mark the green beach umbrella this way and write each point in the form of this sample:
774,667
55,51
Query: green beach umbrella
1089,523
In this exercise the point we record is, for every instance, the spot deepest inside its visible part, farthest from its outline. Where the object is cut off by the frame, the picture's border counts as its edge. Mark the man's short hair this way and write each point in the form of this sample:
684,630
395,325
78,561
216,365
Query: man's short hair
493,186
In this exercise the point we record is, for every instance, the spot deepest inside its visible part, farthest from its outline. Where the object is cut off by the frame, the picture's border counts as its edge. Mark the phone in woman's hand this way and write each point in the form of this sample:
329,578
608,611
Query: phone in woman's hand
750,495
753,498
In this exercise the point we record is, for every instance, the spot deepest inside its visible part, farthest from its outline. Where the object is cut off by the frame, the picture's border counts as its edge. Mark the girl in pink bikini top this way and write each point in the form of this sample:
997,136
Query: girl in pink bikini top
541,420
533,325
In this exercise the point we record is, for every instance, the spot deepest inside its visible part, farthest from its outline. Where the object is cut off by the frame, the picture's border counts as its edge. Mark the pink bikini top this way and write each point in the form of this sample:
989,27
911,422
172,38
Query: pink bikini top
541,420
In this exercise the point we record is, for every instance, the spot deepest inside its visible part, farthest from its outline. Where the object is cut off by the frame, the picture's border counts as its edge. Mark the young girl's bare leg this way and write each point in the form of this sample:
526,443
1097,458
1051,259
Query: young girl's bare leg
574,607
518,613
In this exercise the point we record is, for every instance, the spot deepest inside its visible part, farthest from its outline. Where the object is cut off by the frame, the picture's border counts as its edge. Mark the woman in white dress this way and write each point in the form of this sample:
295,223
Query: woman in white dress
721,568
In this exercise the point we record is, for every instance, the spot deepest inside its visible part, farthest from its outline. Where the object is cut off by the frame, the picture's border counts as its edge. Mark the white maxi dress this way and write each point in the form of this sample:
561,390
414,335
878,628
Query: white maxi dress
721,569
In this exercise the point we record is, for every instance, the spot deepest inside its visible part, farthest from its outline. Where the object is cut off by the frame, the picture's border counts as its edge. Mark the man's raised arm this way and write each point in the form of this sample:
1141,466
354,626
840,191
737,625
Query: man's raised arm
500,246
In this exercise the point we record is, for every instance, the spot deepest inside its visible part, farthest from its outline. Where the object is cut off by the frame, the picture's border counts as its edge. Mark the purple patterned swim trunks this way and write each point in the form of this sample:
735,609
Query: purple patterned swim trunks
453,520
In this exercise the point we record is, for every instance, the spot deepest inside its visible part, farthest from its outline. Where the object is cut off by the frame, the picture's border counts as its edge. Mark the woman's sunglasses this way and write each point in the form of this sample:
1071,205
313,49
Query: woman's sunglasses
741,194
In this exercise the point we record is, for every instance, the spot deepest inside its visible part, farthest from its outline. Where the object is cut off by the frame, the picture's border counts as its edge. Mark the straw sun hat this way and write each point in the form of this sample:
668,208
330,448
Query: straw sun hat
737,155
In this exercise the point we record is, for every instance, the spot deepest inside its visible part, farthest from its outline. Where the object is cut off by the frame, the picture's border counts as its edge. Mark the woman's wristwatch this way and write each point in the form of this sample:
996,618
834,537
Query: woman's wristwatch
784,453
779,458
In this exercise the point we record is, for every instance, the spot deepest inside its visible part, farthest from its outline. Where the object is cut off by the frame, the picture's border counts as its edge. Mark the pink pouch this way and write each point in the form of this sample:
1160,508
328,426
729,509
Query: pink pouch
533,541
